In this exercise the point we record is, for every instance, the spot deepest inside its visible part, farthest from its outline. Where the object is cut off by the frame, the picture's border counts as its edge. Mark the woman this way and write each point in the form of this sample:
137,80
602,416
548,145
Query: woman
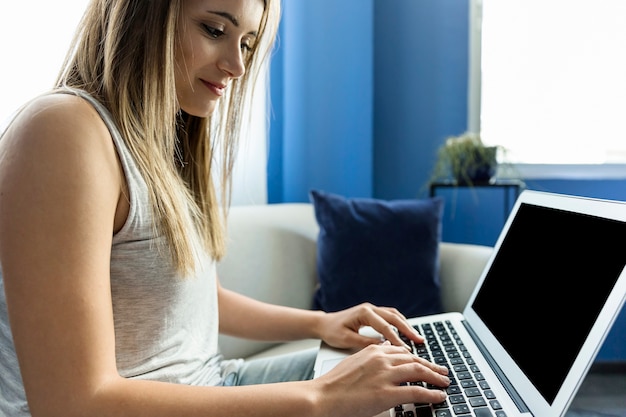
113,192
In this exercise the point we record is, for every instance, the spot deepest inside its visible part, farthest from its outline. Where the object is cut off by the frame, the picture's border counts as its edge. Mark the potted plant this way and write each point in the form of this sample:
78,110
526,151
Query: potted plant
466,160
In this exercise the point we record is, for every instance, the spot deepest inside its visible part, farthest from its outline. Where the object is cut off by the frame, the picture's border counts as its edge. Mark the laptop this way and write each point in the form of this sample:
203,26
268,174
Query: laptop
537,317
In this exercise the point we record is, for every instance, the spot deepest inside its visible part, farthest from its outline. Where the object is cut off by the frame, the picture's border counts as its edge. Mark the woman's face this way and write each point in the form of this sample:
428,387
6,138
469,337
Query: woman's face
215,38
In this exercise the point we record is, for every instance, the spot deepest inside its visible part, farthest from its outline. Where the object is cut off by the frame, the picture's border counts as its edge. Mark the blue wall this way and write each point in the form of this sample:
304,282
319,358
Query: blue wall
321,133
363,94
421,76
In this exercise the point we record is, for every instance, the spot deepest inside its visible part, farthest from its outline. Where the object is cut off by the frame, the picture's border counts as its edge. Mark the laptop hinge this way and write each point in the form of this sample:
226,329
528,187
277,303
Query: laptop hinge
521,405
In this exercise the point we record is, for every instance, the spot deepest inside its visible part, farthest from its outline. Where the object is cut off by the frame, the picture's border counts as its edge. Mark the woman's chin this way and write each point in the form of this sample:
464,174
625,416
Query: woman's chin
202,111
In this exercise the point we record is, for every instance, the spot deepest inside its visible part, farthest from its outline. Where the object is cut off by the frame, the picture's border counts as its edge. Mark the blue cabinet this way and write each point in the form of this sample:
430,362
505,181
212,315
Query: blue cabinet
476,214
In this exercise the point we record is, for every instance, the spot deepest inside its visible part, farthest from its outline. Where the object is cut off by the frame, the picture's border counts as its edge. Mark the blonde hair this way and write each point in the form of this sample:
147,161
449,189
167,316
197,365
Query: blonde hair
123,55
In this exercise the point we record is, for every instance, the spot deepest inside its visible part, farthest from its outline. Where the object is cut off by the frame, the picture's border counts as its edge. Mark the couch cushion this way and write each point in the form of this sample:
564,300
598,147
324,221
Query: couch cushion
383,252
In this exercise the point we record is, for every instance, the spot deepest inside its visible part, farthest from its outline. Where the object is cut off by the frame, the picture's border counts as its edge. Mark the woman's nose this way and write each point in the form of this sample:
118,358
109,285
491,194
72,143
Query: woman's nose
232,62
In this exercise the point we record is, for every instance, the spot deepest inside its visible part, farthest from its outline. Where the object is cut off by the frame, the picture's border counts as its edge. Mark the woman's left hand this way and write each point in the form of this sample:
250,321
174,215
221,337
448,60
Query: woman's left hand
341,329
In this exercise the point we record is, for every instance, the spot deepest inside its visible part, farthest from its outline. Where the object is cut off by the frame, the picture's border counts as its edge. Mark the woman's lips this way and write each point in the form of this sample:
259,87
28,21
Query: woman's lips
217,89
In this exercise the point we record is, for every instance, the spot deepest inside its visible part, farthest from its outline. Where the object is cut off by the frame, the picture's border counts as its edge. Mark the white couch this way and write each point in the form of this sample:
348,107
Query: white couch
272,257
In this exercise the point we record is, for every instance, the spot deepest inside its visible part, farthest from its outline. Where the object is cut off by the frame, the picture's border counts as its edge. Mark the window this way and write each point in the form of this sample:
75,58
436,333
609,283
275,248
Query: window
34,38
547,81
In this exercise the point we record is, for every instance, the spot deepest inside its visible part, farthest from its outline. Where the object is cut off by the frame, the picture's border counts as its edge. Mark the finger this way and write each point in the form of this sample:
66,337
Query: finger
418,372
397,319
397,340
409,331
399,356
360,341
424,395
388,331
388,322
409,393
440,369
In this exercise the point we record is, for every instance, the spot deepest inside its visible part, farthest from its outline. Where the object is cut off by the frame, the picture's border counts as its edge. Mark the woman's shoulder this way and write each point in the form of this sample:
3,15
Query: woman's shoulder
50,113
56,119
59,133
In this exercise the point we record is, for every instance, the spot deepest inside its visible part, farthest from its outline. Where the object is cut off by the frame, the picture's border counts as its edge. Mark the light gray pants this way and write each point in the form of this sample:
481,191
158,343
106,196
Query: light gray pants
296,366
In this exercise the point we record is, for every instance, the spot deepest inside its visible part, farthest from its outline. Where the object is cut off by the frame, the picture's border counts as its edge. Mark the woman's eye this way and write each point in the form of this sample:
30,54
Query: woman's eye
213,32
247,44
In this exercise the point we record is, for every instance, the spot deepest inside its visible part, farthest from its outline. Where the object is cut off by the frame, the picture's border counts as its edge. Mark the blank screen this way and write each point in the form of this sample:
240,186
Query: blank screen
546,287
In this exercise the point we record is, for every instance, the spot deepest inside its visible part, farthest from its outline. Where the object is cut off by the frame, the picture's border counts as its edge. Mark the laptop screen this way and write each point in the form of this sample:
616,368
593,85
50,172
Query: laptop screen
546,287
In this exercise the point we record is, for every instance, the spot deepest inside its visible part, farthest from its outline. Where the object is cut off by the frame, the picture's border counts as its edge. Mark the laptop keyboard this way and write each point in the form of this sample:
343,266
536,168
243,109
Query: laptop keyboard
468,394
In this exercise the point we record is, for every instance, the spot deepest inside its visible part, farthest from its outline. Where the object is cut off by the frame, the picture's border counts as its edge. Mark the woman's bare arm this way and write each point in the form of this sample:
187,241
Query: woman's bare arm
279,323
60,184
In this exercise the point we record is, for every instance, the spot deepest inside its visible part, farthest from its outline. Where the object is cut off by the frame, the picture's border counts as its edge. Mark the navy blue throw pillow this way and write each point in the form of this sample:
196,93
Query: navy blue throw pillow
382,252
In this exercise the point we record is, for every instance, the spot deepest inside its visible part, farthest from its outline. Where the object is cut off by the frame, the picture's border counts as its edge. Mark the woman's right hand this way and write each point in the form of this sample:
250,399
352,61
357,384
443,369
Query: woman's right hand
374,380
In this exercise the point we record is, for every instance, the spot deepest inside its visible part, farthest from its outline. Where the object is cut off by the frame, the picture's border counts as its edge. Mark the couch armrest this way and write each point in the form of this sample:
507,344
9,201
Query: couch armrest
271,257
461,266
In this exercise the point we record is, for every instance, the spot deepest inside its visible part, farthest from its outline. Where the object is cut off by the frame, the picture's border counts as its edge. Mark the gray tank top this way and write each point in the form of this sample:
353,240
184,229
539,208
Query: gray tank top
166,326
